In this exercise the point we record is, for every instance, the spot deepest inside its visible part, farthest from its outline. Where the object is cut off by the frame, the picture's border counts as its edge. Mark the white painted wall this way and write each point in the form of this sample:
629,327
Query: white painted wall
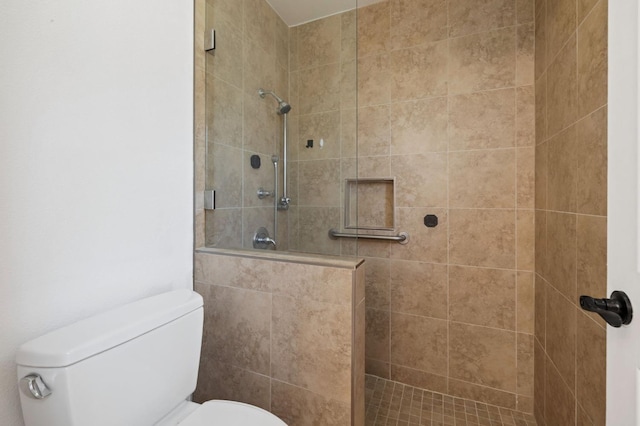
96,168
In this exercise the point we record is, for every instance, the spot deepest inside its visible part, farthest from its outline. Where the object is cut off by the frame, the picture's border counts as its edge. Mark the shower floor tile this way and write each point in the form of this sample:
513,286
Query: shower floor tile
393,403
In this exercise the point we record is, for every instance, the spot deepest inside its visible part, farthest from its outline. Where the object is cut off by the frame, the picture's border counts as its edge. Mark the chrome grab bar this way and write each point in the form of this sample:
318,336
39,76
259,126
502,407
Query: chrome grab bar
402,237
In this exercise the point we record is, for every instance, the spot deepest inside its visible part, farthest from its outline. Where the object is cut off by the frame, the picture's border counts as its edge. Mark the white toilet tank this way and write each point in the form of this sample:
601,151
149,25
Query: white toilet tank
127,367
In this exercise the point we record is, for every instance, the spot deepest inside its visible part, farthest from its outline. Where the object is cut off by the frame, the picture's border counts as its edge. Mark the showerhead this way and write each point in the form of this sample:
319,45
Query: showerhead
283,107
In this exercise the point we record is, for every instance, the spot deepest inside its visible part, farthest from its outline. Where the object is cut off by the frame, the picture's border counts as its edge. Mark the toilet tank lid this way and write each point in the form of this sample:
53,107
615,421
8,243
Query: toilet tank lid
88,337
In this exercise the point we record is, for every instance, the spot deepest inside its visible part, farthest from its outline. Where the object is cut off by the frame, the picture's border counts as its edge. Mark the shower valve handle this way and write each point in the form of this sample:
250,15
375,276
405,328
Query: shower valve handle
616,311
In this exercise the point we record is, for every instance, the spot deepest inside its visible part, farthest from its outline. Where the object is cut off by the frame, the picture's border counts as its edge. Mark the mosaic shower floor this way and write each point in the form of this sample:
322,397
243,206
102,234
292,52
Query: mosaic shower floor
392,403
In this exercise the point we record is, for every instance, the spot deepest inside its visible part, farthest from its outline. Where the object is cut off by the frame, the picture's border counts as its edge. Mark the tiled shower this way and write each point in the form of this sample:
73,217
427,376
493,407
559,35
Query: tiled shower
479,110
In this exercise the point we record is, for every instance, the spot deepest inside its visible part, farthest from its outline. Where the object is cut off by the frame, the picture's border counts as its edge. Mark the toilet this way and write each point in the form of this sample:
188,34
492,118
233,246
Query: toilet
133,366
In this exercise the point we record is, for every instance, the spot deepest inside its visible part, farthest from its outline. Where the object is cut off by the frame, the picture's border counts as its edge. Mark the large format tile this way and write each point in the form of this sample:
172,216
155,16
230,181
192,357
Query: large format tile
484,356
425,244
417,22
482,120
240,328
419,72
482,61
482,296
592,60
559,401
419,288
561,246
419,343
592,163
562,89
300,357
473,16
591,368
377,334
319,42
482,238
482,179
419,126
421,180
561,335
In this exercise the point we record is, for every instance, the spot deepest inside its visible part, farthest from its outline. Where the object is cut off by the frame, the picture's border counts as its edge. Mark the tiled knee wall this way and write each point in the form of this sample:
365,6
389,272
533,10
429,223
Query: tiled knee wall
284,335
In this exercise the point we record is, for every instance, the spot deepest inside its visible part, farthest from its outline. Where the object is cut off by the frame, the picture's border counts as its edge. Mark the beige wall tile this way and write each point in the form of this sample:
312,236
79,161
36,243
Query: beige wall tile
259,68
260,125
541,175
482,120
561,16
525,10
525,321
591,368
559,401
561,246
592,60
592,163
525,364
374,134
525,116
348,84
298,406
419,72
228,62
226,175
524,404
374,80
417,22
319,42
224,118
373,29
377,283
240,328
541,109
542,255
482,238
562,171
584,7
466,390
427,244
421,179
418,378
349,33
525,54
541,35
358,364
482,179
484,356
482,296
473,16
313,231
259,24
592,256
419,288
562,89
561,335
539,380
282,45
320,89
322,366
419,343
321,182
482,61
223,228
377,334
525,240
525,186
419,126
540,326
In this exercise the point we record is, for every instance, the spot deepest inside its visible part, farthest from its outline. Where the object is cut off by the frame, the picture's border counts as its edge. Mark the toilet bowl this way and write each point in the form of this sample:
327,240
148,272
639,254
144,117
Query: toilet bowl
136,365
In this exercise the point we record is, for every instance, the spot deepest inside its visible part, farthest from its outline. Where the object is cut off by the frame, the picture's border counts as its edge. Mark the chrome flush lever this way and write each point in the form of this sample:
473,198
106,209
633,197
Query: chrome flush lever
34,387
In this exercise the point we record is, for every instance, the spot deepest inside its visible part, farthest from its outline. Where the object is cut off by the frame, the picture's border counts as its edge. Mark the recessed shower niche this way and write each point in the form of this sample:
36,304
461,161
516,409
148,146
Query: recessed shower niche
370,204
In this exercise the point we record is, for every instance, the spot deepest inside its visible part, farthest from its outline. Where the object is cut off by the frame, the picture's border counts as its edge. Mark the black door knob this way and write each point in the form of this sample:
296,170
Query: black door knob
615,311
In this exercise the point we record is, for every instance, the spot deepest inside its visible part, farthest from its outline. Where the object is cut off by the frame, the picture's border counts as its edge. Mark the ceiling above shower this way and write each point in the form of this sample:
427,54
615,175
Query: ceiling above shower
296,12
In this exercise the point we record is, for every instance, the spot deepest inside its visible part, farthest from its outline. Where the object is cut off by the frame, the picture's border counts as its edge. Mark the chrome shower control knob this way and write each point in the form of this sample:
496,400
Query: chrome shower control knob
34,387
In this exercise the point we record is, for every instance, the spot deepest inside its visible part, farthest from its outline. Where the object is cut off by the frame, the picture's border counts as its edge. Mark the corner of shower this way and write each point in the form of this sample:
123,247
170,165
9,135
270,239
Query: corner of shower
279,157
